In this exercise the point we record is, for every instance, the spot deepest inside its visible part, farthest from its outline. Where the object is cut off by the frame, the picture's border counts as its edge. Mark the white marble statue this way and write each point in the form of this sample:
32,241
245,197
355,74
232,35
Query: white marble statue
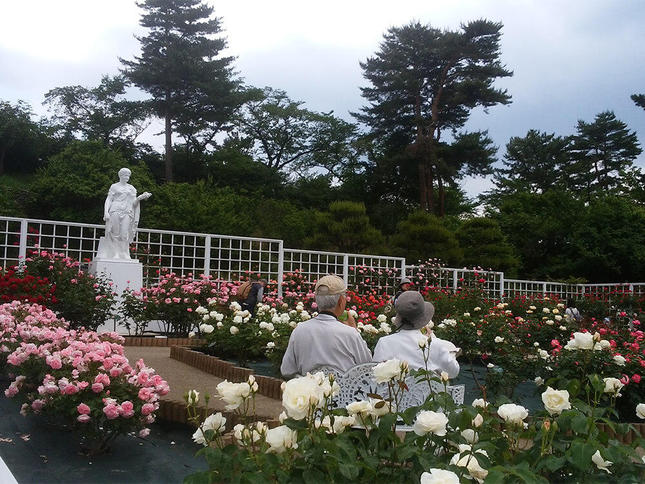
121,215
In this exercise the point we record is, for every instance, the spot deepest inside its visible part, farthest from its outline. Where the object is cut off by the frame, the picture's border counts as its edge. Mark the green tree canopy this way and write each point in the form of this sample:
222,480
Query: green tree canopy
423,236
20,143
101,113
424,83
534,163
602,151
484,245
192,86
345,228
283,135
73,185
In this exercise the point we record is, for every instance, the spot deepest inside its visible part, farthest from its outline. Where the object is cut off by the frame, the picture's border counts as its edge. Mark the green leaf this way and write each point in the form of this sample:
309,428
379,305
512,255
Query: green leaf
198,478
579,454
579,424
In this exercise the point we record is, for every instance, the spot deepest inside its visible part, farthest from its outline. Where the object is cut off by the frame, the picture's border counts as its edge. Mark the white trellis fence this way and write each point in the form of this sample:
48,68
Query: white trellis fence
228,257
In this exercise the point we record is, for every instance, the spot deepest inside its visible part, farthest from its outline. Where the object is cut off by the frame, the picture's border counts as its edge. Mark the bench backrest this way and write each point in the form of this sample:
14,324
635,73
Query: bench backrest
358,381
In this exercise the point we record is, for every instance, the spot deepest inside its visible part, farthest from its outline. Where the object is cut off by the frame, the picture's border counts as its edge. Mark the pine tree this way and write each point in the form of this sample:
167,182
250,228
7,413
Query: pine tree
424,82
602,151
181,67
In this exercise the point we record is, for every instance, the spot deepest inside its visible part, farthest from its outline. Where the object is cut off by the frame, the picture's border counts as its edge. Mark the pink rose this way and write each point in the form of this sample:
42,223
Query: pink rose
97,387
147,409
37,405
70,390
54,362
116,371
83,418
102,378
143,433
145,394
111,411
83,409
126,409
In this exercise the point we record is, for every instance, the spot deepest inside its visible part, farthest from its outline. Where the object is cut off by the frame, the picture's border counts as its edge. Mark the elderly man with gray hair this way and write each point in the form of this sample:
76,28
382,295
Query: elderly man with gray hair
324,340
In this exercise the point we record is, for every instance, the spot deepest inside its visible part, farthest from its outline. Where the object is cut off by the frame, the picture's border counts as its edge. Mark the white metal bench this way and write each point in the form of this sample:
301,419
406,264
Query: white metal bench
358,381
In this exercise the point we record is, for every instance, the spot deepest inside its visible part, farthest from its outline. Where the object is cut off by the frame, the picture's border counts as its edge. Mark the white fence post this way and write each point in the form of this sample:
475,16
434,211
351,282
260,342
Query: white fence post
346,269
280,266
544,288
454,281
22,247
207,256
501,285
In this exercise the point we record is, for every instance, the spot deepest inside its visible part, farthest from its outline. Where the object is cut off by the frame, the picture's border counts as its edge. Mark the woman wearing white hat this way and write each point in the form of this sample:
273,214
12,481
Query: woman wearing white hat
412,314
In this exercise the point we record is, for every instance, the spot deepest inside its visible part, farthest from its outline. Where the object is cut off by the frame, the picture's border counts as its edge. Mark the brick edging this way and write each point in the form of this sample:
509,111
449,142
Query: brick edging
152,341
267,386
174,411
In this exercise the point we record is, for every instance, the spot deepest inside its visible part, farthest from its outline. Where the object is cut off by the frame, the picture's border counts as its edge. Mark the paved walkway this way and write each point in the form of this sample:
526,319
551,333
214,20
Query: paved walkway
182,378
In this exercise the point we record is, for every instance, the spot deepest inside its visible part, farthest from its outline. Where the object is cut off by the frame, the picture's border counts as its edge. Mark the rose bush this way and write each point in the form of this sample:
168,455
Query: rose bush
77,377
437,442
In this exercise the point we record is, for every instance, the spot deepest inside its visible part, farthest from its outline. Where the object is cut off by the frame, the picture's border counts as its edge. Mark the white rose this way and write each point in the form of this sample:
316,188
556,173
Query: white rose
477,309
512,413
299,395
206,328
543,354
215,422
465,458
601,463
550,322
439,476
428,421
380,407
238,319
470,436
276,320
613,385
466,315
423,342
580,341
234,330
619,360
220,324
193,397
640,410
362,407
280,439
480,402
381,318
478,420
558,318
444,376
539,381
390,369
562,328
233,394
555,401
270,345
546,310
341,423
219,316
499,339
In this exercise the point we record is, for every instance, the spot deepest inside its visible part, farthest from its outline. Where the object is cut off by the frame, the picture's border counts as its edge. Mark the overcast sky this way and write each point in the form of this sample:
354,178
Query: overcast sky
571,59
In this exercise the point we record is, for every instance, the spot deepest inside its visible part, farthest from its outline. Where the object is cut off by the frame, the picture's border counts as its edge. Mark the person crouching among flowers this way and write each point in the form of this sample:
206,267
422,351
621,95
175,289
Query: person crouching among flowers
407,343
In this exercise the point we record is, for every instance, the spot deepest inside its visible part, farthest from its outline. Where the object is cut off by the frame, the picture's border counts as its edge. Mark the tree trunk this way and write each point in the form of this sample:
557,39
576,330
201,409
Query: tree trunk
3,151
168,158
442,198
423,191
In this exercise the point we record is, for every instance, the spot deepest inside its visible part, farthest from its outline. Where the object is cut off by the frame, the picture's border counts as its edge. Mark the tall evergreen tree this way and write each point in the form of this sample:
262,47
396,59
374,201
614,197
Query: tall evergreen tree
181,67
602,150
425,81
533,163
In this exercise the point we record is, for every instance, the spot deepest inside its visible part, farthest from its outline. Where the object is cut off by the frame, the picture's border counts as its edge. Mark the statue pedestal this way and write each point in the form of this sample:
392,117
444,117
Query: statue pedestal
124,273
